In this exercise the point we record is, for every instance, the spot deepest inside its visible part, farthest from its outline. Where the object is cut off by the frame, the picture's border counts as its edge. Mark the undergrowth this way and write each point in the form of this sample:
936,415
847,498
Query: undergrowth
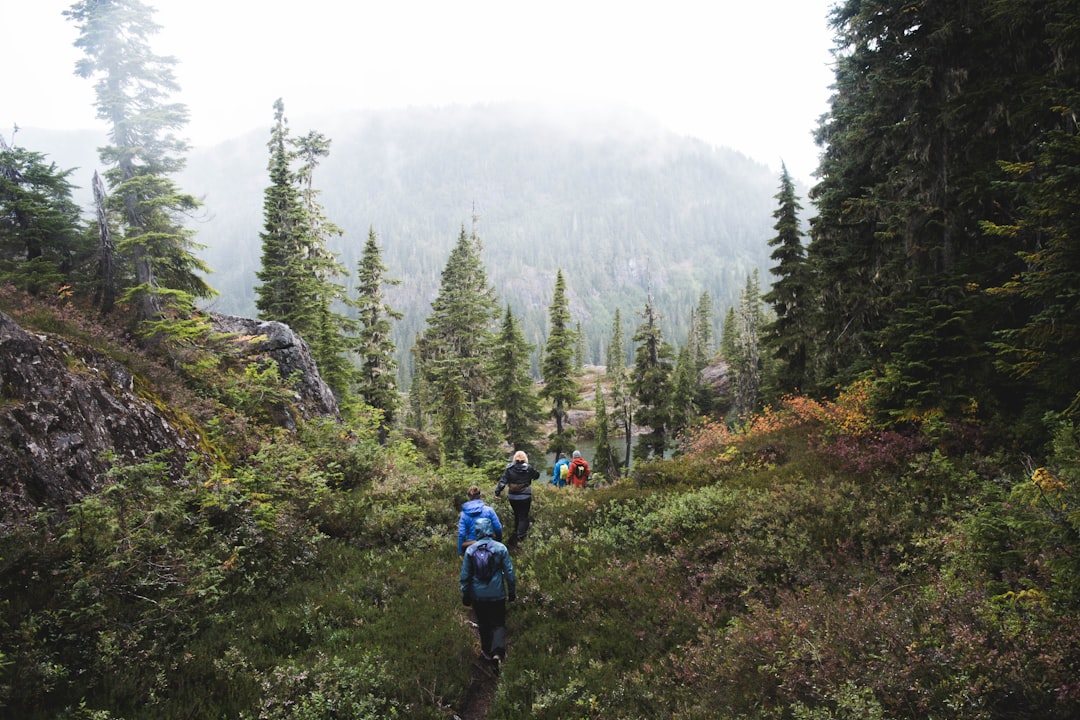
811,564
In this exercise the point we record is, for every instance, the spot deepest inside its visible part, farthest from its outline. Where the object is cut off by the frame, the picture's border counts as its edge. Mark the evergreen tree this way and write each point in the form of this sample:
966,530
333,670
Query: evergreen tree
557,368
455,355
746,363
514,392
332,332
281,273
785,337
376,382
131,90
299,273
700,338
650,382
579,348
605,461
684,391
912,195
622,402
729,337
41,246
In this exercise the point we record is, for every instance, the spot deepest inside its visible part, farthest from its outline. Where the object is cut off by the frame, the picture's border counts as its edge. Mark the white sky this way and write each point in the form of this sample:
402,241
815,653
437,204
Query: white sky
752,75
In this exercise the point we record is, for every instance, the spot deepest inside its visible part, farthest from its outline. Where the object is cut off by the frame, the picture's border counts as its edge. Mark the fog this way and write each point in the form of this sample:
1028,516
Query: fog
750,76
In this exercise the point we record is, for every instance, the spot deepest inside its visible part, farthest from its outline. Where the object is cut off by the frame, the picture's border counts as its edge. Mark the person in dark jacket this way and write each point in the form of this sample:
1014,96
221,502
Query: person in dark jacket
488,597
474,509
517,479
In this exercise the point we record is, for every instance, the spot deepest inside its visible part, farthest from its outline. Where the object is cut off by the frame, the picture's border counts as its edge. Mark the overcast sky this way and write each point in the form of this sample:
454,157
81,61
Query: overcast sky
749,75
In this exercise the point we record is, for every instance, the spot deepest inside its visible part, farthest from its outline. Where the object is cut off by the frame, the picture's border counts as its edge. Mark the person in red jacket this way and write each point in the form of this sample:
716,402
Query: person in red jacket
579,470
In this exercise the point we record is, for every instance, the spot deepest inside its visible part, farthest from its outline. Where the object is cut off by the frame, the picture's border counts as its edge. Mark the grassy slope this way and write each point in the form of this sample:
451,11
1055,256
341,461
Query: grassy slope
809,569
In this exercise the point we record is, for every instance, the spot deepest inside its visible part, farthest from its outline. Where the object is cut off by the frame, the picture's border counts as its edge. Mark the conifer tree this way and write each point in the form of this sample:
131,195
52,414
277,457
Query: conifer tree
579,347
299,273
40,243
700,339
455,354
515,395
785,337
622,401
376,379
605,461
746,363
557,368
132,88
684,391
651,385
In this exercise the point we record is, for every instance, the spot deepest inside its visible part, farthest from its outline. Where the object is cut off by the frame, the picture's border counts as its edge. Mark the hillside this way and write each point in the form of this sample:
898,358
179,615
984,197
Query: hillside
813,565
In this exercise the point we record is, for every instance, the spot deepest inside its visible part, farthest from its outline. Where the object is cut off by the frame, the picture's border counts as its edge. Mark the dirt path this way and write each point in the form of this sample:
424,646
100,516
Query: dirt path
481,692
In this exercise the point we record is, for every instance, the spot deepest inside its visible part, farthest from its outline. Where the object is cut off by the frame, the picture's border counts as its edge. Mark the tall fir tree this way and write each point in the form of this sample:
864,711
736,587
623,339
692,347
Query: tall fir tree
132,89
455,354
515,395
557,368
299,273
785,336
605,462
622,401
650,382
746,362
376,379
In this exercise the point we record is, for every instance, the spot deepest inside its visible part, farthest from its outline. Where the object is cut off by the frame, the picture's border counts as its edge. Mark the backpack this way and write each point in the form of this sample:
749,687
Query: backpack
579,470
482,561
564,471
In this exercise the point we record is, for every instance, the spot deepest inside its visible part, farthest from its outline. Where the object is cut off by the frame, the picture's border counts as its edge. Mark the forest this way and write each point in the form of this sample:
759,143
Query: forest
875,515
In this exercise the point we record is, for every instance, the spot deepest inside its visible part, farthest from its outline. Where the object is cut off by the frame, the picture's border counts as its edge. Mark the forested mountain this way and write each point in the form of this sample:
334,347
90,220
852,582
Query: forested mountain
621,206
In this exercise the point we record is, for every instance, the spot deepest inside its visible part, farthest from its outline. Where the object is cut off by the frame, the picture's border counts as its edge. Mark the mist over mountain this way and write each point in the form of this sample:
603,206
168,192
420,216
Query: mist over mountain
624,207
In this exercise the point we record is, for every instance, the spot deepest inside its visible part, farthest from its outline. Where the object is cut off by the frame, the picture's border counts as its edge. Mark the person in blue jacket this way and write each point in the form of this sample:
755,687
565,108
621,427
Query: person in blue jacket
474,509
488,596
557,477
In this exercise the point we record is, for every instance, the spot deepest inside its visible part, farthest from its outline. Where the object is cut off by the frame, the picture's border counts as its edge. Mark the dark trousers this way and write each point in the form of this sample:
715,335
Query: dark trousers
491,620
521,516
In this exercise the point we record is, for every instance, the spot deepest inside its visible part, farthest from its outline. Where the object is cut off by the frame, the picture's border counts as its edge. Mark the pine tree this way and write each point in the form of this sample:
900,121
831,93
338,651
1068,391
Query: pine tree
579,348
281,271
605,462
685,393
700,339
786,336
622,402
299,273
376,382
651,385
746,363
131,89
515,395
455,355
40,243
557,368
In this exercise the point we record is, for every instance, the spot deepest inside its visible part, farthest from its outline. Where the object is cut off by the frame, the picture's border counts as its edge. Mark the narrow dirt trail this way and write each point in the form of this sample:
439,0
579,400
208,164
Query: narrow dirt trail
481,692
481,688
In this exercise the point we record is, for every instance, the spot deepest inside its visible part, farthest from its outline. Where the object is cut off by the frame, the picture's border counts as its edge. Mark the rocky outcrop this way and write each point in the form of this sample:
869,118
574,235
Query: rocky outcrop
63,407
265,340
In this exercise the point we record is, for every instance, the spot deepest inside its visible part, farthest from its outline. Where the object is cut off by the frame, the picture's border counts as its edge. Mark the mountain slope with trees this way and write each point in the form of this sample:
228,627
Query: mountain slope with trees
620,205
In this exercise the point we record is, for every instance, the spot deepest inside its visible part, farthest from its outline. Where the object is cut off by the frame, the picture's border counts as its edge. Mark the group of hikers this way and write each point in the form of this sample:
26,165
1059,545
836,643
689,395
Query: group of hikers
487,572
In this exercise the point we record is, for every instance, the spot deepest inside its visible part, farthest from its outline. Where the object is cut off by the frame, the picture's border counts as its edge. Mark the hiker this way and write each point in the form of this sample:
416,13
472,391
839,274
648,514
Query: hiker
561,474
517,479
487,582
579,470
474,509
